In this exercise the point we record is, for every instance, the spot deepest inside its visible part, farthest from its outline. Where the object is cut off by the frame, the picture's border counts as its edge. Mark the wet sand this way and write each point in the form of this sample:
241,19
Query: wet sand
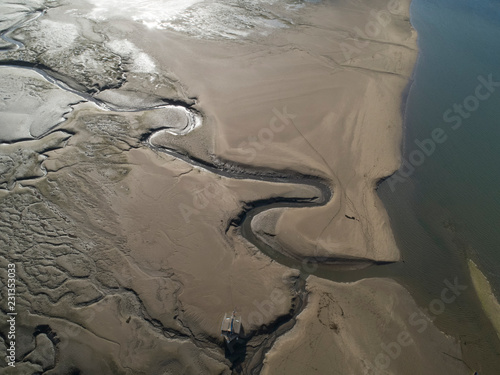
486,295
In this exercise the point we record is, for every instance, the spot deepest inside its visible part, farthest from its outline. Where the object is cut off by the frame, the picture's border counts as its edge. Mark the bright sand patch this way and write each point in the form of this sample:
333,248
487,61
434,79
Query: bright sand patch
486,296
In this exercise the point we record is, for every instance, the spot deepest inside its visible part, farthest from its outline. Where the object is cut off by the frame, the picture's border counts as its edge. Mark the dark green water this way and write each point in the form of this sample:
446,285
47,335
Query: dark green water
448,208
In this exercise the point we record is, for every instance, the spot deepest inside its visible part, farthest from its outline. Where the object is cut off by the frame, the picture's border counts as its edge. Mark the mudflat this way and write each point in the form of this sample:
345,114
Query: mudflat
172,126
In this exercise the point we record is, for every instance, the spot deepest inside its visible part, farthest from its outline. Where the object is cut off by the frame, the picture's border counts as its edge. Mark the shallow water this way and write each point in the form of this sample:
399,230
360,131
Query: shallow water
445,207
462,176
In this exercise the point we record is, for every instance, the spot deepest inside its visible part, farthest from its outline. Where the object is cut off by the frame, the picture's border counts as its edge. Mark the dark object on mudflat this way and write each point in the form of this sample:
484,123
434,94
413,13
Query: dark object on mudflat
231,327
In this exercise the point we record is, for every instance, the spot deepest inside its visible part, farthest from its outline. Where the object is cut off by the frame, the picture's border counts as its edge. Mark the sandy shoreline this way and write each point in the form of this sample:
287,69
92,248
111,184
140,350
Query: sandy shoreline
490,304
369,327
159,257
